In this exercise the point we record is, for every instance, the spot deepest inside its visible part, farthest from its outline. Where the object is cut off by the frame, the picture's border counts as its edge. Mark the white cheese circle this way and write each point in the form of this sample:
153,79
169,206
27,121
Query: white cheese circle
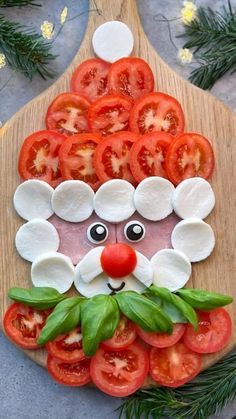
89,289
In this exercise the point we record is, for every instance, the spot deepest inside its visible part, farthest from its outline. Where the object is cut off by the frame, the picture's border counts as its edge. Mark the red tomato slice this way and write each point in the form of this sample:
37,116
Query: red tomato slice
120,372
90,78
38,157
162,340
174,366
124,335
131,77
157,112
189,155
111,158
214,332
67,348
74,375
148,154
76,158
23,324
118,260
109,114
67,114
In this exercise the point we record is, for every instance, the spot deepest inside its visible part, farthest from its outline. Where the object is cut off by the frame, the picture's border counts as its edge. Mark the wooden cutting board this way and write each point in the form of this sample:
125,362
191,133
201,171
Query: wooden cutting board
204,114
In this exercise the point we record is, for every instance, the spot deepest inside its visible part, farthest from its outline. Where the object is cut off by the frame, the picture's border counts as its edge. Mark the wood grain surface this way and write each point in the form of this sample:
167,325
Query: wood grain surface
204,114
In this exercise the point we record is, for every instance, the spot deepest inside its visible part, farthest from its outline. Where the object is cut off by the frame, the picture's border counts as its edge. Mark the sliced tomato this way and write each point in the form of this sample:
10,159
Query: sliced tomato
112,157
157,112
118,260
90,78
74,375
189,155
120,372
38,157
131,77
109,114
67,114
67,348
162,340
175,365
124,335
76,158
23,324
213,334
148,155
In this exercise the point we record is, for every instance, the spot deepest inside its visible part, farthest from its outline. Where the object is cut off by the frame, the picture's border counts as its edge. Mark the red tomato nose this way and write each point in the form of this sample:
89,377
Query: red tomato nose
118,260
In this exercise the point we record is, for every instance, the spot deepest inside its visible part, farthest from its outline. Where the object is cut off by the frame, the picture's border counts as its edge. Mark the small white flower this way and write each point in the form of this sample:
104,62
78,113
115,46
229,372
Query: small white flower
2,60
64,15
188,12
47,29
185,55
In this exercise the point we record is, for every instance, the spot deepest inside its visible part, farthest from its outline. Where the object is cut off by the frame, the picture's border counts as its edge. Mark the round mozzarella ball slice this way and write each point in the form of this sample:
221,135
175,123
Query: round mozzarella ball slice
35,238
112,41
193,197
72,201
153,198
171,269
53,270
194,238
113,201
95,287
32,199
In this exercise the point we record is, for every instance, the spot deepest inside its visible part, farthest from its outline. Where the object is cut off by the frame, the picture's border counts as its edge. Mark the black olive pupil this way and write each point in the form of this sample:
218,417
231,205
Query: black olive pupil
134,232
98,232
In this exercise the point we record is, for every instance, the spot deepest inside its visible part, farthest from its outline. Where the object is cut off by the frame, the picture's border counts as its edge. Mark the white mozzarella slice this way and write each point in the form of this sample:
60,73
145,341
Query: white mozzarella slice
90,266
53,270
193,197
72,201
113,40
153,198
171,269
131,284
95,287
36,237
194,238
143,270
113,201
32,199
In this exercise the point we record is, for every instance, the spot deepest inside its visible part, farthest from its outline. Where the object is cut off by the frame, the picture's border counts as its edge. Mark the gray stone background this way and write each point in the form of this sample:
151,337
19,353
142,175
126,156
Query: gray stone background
26,390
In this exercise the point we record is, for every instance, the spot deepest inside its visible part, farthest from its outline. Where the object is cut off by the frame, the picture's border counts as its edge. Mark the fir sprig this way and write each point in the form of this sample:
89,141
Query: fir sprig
206,395
12,3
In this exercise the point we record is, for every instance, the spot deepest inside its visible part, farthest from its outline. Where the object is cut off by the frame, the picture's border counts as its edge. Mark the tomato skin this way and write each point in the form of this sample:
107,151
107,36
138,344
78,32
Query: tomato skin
118,260
65,349
175,365
23,324
110,374
162,340
73,375
214,332
124,335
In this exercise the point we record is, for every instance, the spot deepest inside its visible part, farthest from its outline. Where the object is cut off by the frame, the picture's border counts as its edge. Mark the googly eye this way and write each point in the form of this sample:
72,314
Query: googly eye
134,231
97,233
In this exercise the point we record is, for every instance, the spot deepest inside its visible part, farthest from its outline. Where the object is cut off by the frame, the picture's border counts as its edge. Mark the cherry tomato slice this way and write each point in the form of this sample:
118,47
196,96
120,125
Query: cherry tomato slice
74,375
67,348
131,77
109,114
148,155
120,372
118,260
23,324
157,112
112,157
67,114
189,155
213,334
38,157
175,365
90,79
76,158
124,335
162,340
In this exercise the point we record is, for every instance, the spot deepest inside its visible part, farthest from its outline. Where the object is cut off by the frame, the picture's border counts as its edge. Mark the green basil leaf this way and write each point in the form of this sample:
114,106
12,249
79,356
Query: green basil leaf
204,300
172,312
64,318
99,319
37,297
144,312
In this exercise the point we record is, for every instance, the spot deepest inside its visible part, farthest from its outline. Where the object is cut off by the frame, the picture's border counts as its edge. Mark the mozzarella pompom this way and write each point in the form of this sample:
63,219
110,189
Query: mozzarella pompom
194,238
171,269
32,199
143,270
193,197
90,266
72,201
95,287
53,270
113,40
153,198
35,238
131,284
113,201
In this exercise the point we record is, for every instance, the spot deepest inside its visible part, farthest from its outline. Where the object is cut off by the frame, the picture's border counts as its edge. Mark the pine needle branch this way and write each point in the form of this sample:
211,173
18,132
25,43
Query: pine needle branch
13,3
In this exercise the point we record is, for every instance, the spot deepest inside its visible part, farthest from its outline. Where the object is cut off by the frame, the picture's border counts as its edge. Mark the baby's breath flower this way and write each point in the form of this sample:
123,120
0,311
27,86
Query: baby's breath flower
185,55
64,15
188,12
2,60
47,29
